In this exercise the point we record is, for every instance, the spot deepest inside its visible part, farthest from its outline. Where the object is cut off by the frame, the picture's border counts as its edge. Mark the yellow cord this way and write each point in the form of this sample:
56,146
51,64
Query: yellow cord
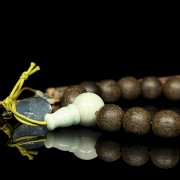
8,129
27,152
10,102
23,151
33,139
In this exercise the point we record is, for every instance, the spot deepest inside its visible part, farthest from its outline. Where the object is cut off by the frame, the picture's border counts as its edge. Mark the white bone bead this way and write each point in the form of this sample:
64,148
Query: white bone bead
82,111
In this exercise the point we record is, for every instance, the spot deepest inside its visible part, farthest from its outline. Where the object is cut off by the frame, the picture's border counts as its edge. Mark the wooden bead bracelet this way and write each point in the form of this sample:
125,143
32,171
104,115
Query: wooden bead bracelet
128,88
137,120
87,108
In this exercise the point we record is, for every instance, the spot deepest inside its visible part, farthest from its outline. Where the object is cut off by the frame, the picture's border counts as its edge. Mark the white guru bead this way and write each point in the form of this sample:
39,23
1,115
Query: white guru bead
82,111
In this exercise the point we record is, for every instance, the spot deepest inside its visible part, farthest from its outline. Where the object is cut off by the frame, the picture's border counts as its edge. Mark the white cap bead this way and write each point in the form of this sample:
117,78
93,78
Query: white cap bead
81,111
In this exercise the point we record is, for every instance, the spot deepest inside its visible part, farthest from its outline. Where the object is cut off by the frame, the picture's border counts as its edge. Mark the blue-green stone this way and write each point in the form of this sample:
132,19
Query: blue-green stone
34,108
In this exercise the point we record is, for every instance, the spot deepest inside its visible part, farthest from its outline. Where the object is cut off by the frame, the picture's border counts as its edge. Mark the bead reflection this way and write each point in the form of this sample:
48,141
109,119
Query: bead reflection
90,143
165,157
81,141
29,137
108,148
138,150
21,138
135,155
132,151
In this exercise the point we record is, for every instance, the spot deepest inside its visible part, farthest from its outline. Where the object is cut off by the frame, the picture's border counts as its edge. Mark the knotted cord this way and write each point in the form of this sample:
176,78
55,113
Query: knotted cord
10,102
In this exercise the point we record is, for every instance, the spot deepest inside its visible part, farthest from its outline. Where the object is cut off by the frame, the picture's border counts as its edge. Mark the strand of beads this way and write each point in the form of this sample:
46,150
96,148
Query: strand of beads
88,109
138,120
128,88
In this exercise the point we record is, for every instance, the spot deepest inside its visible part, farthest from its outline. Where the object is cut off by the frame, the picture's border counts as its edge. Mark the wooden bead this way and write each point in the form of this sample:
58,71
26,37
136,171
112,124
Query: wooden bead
110,90
165,78
56,93
108,149
109,117
130,87
171,89
137,120
165,157
166,123
70,94
151,87
59,91
91,86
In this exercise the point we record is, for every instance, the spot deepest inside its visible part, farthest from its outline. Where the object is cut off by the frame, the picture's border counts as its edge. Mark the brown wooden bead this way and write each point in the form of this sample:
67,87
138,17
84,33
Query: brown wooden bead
110,90
163,79
171,89
137,120
166,123
91,86
108,149
61,91
176,109
165,157
151,87
135,155
70,94
55,93
130,87
109,117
